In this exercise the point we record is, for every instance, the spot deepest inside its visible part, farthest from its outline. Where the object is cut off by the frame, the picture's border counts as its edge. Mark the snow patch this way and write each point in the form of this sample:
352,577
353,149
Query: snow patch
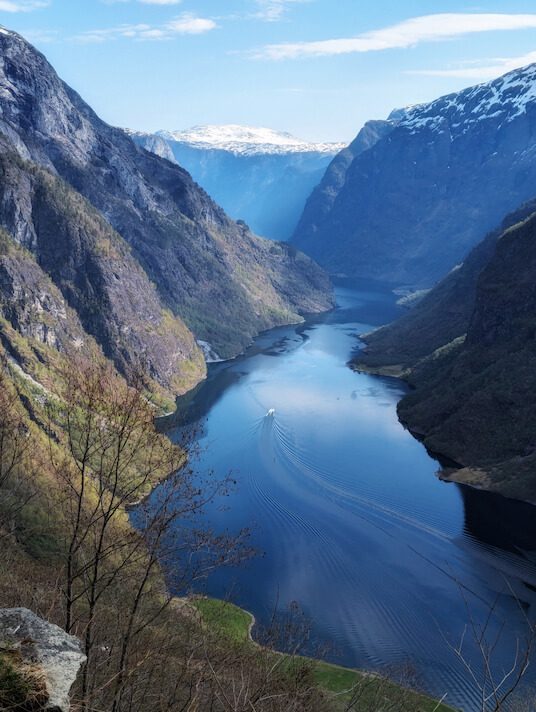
503,99
247,140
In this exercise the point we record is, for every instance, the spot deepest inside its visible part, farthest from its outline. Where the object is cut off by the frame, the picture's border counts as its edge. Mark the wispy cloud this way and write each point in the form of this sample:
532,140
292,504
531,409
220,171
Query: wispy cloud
274,10
485,69
185,24
427,28
144,2
41,36
22,5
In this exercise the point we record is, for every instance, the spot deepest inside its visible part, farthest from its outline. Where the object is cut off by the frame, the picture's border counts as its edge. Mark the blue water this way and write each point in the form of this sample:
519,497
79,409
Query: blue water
347,513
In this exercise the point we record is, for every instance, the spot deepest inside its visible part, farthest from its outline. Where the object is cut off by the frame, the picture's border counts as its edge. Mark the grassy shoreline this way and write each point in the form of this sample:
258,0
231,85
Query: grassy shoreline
235,625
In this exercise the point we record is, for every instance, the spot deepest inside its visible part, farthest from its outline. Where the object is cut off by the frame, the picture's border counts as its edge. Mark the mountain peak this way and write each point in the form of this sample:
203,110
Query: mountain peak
246,140
502,99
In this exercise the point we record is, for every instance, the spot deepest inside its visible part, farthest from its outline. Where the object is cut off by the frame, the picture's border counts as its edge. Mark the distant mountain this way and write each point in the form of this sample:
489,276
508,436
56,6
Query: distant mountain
104,243
258,175
247,140
409,208
469,350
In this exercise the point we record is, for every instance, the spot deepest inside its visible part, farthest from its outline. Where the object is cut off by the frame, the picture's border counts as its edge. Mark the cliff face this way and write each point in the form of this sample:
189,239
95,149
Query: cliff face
320,203
135,247
412,205
443,314
474,369
68,256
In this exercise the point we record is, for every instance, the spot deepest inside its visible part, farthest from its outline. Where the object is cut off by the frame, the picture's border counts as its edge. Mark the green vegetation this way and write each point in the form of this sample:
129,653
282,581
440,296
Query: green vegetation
226,619
233,624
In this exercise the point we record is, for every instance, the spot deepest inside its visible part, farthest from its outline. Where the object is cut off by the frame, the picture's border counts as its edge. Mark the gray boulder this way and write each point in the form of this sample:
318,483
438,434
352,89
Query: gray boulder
46,646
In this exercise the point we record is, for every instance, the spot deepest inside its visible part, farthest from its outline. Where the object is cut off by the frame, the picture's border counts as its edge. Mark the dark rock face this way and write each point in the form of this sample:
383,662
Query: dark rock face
412,205
443,315
474,369
69,259
135,247
321,201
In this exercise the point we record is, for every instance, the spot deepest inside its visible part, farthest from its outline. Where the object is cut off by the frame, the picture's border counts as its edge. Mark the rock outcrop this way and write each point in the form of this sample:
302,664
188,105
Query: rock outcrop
42,657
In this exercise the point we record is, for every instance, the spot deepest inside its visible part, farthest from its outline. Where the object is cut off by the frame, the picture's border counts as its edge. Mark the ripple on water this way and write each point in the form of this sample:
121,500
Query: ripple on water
353,522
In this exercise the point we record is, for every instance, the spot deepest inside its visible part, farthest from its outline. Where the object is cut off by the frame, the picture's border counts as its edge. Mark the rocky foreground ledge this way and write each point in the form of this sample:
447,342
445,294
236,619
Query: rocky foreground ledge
39,661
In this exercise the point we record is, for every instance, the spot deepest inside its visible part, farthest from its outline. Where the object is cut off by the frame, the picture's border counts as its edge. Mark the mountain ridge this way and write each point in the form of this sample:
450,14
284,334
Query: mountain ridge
468,351
411,206
246,140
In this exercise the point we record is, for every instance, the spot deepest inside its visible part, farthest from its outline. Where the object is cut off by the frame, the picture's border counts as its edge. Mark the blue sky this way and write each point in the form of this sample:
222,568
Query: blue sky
316,68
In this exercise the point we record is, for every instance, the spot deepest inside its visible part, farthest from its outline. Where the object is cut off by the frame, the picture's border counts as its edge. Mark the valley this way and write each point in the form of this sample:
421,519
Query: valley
267,404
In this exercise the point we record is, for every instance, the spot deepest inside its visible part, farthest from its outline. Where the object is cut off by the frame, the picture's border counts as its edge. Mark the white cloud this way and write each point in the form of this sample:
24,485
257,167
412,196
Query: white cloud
22,5
144,2
189,24
427,28
185,24
273,10
486,69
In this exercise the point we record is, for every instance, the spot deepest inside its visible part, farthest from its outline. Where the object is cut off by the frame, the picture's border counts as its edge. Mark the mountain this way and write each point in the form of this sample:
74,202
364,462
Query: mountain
152,143
141,257
469,350
411,206
260,176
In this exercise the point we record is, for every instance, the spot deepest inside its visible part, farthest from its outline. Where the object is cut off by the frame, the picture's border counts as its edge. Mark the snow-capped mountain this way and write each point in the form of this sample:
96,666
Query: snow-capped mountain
444,174
258,175
247,140
503,100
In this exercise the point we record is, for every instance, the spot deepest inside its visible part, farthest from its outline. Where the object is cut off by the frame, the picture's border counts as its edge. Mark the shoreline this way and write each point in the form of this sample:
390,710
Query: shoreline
332,672
472,476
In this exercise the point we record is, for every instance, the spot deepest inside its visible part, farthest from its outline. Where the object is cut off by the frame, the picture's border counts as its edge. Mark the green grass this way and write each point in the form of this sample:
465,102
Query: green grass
341,681
225,618
233,623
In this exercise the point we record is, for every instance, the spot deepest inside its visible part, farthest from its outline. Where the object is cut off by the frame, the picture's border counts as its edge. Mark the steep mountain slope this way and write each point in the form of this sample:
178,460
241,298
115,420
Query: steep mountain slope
65,247
470,351
121,218
442,315
411,207
260,176
320,202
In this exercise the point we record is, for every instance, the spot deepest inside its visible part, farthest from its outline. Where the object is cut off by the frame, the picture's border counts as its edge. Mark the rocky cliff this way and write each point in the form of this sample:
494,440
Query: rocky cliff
409,208
142,256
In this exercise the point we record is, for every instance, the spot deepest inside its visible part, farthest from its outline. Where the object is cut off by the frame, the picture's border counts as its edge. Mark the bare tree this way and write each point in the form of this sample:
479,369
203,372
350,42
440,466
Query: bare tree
495,688
114,585
15,446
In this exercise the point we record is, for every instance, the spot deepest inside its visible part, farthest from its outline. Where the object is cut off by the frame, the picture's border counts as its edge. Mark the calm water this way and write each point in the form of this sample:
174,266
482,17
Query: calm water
346,508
